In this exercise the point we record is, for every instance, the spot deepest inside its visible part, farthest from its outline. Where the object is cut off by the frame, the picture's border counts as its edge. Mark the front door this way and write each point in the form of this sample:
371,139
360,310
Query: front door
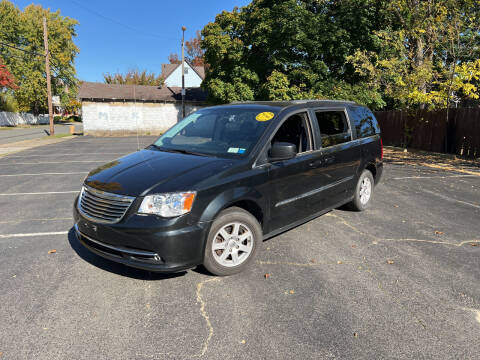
291,180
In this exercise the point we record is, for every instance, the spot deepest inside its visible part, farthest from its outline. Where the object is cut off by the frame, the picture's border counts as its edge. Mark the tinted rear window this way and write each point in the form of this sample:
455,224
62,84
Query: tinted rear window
364,121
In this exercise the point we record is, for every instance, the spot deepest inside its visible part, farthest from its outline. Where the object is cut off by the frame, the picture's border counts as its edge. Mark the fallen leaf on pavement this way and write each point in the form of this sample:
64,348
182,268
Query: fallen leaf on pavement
243,342
313,261
438,232
53,251
355,334
395,206
339,262
474,244
390,261
292,291
354,246
266,276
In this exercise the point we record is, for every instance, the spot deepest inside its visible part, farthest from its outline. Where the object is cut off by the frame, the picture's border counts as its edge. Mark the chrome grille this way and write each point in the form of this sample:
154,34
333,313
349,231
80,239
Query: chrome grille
101,206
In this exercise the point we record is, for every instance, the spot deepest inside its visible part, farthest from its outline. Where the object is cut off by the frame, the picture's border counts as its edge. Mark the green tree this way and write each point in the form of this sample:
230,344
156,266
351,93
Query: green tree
134,77
24,30
429,53
286,49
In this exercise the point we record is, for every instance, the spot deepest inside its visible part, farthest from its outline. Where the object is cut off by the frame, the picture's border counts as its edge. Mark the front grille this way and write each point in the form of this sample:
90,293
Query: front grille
103,207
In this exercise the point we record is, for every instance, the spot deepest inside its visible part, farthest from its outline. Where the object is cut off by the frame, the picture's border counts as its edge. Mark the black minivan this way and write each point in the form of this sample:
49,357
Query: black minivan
216,184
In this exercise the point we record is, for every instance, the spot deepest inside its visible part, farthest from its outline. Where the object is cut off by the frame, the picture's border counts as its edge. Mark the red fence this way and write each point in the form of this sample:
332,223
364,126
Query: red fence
432,131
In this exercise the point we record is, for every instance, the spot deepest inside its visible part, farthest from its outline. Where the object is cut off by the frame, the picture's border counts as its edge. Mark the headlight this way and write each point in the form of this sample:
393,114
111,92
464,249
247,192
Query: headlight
168,204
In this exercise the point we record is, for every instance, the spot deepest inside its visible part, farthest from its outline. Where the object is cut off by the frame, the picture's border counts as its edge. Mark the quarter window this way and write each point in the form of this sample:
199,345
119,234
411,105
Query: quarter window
333,126
364,122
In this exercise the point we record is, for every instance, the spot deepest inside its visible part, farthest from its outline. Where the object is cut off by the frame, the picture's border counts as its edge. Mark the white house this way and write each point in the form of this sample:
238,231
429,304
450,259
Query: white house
172,73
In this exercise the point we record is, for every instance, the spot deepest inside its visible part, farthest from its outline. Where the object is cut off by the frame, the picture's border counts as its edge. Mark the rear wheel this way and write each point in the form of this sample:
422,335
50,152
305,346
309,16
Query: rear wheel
232,242
363,192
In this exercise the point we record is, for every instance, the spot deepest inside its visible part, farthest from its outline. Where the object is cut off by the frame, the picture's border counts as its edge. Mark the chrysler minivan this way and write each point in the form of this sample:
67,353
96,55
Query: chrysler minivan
225,178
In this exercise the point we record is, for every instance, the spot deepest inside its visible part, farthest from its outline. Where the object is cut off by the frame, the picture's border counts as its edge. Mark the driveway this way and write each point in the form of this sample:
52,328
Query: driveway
400,280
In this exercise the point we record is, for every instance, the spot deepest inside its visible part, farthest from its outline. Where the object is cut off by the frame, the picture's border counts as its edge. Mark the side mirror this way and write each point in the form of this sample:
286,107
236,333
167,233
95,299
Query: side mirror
282,151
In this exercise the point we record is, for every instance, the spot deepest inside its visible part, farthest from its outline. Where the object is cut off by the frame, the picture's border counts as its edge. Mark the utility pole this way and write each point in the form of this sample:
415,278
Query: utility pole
47,70
183,71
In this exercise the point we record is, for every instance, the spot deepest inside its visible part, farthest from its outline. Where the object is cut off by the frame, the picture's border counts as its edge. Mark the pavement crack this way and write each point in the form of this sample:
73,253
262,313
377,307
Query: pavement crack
313,264
376,239
204,314
354,228
433,241
476,312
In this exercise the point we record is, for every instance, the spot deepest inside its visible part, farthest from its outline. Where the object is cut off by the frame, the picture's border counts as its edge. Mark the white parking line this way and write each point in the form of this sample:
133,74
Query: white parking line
57,162
41,193
68,154
25,220
33,234
40,174
450,199
432,177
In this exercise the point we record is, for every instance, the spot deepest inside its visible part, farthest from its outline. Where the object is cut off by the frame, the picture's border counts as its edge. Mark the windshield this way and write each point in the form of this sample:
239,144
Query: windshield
222,131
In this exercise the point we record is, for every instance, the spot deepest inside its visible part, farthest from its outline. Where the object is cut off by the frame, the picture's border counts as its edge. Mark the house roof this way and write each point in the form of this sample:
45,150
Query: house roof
94,90
168,69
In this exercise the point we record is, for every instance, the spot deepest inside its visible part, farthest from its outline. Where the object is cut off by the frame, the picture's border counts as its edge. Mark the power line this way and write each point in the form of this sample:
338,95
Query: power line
26,51
122,24
3,54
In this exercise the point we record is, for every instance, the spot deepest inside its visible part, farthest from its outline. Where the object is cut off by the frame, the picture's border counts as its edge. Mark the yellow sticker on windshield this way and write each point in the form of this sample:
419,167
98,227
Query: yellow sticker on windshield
265,116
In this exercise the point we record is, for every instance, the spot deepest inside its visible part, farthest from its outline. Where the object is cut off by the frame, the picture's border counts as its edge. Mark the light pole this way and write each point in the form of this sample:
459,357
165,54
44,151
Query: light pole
183,71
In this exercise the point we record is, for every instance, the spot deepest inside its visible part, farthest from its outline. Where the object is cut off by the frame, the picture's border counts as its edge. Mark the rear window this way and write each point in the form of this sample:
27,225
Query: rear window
364,121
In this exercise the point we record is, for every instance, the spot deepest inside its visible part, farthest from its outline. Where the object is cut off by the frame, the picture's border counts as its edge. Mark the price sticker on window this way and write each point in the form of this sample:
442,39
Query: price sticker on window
265,116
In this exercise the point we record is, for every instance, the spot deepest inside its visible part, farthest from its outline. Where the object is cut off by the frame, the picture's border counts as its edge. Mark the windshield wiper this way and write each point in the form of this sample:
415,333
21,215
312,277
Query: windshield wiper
155,146
181,151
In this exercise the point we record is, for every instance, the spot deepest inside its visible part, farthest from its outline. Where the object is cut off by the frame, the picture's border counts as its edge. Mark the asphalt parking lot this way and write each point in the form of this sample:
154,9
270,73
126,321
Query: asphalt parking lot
401,280
8,135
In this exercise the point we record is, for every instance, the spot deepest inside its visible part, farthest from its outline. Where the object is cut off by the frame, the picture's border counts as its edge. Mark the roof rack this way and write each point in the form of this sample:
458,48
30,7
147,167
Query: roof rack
293,101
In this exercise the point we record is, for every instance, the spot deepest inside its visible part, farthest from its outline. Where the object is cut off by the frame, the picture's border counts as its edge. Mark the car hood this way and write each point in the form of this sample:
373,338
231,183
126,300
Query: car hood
143,171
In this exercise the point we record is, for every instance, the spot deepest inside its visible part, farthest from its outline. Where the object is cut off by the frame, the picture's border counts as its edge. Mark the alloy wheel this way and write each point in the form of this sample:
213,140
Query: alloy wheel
232,244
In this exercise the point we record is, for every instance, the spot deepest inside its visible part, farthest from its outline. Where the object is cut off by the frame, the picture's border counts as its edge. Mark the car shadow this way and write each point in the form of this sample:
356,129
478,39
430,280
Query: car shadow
114,267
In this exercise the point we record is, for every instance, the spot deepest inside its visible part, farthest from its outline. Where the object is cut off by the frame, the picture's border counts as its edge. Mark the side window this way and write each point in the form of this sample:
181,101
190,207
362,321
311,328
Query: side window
295,130
365,122
333,127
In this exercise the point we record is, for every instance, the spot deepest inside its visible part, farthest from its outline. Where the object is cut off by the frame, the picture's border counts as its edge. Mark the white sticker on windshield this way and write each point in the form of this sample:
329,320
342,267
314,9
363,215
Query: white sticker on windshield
236,150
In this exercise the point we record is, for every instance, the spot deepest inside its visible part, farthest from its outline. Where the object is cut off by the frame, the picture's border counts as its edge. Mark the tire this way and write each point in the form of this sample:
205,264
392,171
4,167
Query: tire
363,192
232,242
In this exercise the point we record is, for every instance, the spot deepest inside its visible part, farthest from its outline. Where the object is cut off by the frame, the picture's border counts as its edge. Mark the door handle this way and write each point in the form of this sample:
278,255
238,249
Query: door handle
315,163
329,159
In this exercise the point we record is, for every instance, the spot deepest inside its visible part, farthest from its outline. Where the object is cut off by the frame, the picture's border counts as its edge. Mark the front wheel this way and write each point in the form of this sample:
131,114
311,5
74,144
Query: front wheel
363,192
232,242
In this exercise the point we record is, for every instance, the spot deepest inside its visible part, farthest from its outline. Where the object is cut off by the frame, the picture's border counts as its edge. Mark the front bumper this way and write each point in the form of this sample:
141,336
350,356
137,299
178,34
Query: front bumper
145,242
